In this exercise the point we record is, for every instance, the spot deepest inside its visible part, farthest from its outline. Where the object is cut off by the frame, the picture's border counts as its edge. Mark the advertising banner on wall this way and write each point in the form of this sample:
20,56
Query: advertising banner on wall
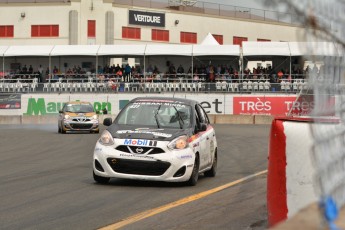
43,104
271,105
10,101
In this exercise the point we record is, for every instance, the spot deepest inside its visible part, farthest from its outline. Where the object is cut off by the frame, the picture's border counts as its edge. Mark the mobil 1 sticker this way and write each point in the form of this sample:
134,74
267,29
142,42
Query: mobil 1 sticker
138,142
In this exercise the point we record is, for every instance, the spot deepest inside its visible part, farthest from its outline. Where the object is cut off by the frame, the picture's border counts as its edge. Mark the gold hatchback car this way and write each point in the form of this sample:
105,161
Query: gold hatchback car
78,116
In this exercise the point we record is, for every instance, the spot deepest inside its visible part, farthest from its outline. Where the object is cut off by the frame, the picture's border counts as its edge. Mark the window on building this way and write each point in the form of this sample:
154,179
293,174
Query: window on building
188,37
263,40
219,38
131,32
239,40
160,35
6,31
45,31
91,28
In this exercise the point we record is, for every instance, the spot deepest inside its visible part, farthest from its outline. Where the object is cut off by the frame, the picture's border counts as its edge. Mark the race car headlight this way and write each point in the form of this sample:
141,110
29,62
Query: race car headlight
95,117
67,117
178,143
106,138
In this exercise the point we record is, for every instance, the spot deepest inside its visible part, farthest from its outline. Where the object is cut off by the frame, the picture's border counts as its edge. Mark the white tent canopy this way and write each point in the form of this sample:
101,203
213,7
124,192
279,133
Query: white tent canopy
3,50
313,49
75,50
171,49
121,50
266,49
249,49
220,50
43,50
209,40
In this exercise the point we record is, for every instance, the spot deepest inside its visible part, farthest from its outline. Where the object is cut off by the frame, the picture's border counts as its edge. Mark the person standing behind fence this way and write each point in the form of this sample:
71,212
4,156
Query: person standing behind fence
40,71
128,71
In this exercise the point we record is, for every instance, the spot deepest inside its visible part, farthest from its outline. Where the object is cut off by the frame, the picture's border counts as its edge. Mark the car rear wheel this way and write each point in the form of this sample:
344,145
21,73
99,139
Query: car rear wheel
195,173
213,171
100,179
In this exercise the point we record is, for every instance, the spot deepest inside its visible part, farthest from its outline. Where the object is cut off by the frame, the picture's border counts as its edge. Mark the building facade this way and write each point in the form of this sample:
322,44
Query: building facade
82,22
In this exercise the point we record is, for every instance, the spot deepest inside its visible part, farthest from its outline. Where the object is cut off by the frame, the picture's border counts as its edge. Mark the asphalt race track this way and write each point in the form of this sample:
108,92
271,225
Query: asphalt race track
46,183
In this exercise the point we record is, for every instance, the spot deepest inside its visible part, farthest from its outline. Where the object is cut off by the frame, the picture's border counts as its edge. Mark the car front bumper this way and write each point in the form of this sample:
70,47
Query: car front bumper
92,125
170,165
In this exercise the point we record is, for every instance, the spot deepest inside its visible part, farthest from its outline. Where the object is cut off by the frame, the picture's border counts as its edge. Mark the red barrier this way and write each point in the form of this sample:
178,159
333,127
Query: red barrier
276,179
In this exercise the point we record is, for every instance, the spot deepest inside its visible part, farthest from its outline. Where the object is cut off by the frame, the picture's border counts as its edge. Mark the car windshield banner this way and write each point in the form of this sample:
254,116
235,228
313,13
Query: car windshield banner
146,18
10,101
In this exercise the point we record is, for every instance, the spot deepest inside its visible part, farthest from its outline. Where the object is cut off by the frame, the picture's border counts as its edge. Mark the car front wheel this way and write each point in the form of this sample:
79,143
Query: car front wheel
195,173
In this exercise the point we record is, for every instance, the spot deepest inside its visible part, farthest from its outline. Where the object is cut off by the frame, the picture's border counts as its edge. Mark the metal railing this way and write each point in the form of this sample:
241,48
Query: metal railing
164,85
218,10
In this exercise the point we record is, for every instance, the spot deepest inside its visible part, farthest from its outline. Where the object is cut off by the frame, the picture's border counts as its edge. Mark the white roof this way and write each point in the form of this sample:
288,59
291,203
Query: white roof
117,50
209,40
75,50
219,50
265,49
43,50
169,49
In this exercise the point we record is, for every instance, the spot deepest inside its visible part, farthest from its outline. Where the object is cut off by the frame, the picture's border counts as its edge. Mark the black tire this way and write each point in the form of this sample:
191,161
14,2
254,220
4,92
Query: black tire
100,179
195,173
62,130
213,171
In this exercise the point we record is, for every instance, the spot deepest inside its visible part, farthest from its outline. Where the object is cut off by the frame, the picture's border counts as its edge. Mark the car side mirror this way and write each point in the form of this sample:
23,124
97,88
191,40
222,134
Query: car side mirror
60,111
202,127
107,121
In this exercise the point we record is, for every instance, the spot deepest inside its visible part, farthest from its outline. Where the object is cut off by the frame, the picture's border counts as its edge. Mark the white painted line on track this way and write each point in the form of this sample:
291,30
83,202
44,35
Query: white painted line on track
154,211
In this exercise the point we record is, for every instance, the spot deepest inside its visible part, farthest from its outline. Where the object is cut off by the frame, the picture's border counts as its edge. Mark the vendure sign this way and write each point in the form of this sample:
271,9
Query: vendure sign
146,18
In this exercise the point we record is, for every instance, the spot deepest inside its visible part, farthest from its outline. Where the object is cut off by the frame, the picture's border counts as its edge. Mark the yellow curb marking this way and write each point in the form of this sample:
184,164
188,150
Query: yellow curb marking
154,211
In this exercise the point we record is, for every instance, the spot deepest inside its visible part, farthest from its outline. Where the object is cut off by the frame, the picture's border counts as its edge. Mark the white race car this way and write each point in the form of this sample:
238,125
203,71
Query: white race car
157,139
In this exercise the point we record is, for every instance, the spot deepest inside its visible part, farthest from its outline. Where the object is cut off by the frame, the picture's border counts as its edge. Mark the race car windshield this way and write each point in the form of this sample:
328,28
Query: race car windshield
79,108
160,115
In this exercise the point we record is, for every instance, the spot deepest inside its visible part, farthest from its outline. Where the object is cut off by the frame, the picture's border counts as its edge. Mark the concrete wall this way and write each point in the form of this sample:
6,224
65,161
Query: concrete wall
214,119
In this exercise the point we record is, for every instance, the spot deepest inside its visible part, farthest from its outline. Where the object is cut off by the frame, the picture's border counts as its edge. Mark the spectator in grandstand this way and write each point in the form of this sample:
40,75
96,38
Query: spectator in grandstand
31,70
196,75
127,72
24,70
307,69
149,69
211,75
280,75
218,70
40,72
119,74
69,73
227,75
172,71
315,70
180,69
